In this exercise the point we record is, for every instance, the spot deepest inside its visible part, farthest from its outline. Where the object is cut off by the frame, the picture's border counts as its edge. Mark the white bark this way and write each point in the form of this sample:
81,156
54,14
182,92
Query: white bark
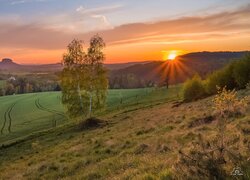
79,94
90,104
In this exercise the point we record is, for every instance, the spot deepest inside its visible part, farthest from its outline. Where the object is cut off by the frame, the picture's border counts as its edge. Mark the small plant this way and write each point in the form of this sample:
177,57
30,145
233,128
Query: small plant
213,159
226,103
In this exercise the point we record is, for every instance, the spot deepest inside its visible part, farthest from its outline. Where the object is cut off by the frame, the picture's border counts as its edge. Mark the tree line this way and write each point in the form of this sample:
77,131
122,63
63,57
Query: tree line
235,75
22,85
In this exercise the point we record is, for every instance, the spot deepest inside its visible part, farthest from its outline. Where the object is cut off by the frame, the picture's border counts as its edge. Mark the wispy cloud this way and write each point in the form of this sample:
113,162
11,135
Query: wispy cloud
222,24
218,26
98,10
26,1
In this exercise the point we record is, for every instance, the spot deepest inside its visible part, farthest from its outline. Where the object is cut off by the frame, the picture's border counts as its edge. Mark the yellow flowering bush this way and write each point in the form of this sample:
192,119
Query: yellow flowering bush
227,104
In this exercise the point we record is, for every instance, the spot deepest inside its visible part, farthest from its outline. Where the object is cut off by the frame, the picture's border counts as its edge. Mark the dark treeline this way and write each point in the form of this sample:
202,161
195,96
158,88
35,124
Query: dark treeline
127,81
21,84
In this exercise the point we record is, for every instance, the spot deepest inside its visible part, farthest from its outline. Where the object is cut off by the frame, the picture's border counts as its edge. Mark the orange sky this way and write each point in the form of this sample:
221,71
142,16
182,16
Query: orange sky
221,31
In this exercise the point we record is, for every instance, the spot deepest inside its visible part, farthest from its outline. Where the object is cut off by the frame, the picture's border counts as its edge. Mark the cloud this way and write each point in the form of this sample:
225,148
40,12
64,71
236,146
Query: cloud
32,36
220,25
26,1
98,10
228,24
94,18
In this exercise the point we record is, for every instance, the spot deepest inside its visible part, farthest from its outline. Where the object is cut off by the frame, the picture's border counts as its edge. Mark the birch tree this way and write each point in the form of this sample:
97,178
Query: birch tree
84,79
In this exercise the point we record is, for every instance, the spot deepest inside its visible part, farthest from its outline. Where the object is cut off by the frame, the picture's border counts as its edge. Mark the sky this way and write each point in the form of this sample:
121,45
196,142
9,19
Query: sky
38,31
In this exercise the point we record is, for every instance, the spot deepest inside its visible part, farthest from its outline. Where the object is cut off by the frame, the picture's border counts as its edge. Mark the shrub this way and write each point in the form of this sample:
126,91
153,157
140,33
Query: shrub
2,91
241,71
194,89
215,158
226,103
236,75
221,78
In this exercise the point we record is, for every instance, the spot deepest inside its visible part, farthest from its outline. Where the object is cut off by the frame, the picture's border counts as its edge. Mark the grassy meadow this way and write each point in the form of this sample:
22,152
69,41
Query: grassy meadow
23,115
137,143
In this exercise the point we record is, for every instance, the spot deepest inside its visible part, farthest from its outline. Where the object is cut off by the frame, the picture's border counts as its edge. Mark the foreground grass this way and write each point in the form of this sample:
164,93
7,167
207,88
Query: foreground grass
36,112
140,143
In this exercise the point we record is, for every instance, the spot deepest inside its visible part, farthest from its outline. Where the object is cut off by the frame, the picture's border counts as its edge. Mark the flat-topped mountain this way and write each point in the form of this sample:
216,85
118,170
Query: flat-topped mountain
7,63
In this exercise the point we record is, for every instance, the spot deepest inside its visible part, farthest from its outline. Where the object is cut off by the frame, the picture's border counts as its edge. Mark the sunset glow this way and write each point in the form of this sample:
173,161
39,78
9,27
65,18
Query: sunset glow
43,38
172,56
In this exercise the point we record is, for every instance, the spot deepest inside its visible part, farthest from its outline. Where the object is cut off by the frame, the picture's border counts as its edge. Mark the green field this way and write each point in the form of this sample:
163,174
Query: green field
22,115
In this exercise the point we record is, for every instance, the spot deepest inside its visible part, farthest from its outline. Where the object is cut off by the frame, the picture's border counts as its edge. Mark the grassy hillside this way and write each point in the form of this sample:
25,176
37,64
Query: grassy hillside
29,113
139,143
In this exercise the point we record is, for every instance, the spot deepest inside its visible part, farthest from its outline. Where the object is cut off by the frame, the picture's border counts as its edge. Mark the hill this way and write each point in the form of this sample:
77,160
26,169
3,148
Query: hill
140,143
22,115
9,65
143,74
178,71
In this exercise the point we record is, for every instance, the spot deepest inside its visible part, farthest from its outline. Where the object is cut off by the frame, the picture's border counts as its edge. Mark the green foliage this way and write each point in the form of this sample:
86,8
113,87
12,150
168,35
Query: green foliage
193,89
221,78
236,75
84,80
9,89
2,91
241,72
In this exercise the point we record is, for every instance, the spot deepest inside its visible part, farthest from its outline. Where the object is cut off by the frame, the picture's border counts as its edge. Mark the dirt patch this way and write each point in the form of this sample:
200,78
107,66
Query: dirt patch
201,121
92,123
177,104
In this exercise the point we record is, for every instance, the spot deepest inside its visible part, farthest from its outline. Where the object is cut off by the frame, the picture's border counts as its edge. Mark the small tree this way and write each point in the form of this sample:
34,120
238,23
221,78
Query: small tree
84,80
9,89
193,89
215,159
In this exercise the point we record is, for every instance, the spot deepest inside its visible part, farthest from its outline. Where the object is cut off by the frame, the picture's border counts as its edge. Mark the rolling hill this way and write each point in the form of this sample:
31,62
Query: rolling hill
9,65
141,142
145,74
184,67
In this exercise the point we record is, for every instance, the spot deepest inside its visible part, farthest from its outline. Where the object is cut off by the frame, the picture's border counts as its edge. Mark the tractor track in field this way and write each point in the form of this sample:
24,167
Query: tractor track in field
7,115
39,106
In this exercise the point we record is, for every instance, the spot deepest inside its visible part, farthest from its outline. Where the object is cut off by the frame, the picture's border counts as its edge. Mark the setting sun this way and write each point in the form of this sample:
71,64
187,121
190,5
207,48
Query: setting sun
172,56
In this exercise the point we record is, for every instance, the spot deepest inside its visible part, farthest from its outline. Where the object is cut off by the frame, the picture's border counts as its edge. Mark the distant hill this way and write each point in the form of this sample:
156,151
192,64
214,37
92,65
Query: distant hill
123,65
10,65
149,73
178,71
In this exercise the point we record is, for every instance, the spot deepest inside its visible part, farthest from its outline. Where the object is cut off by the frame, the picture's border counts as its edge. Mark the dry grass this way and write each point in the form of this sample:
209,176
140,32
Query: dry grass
139,144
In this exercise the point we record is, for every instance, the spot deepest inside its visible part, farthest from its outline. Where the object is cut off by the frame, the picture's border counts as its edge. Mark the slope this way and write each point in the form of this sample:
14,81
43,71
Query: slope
141,143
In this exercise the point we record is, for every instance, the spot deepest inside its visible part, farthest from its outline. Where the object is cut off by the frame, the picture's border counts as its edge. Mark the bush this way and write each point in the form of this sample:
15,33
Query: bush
194,89
236,75
221,78
216,157
241,72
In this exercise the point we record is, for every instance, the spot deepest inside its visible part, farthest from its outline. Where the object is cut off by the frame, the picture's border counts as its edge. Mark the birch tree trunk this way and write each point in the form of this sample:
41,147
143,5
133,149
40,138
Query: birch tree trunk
90,104
79,94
